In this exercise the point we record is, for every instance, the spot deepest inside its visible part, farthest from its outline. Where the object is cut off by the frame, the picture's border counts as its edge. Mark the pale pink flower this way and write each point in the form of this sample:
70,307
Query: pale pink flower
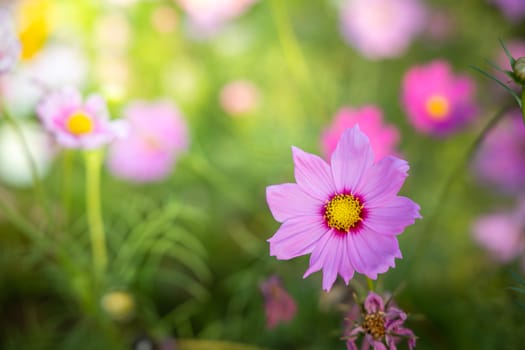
382,325
346,214
500,158
437,101
279,306
383,137
209,15
381,28
239,97
76,123
10,47
156,137
502,234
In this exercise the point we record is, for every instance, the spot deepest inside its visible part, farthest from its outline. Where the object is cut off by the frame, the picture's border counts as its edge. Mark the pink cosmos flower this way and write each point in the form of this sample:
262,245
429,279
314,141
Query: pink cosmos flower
382,325
346,214
209,15
502,234
78,124
383,138
500,159
438,102
157,135
10,47
278,304
514,10
381,28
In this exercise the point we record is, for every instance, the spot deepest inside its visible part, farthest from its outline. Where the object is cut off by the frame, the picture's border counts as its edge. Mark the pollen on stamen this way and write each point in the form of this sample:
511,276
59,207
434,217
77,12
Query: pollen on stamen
343,212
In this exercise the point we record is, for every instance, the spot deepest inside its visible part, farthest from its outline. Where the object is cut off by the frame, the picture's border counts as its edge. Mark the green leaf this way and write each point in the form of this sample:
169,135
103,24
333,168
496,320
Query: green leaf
518,100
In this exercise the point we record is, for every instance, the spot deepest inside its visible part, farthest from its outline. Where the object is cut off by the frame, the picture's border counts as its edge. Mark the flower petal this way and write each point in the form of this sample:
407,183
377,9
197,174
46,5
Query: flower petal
324,256
393,217
289,200
351,159
384,180
297,236
313,175
374,303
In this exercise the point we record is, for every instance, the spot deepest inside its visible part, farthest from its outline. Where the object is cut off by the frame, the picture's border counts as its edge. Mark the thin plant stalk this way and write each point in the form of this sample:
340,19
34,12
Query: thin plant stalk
93,161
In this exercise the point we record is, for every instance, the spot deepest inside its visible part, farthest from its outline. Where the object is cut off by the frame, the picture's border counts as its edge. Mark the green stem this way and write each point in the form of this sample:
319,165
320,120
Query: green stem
93,161
67,165
370,284
523,103
454,175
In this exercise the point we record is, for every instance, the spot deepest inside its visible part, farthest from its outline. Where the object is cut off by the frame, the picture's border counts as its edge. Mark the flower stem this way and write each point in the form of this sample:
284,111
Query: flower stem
93,161
523,103
370,284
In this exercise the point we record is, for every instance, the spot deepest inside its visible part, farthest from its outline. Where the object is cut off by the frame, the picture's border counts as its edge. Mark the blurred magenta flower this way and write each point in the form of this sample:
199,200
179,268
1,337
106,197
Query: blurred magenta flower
239,97
209,15
78,124
514,10
279,306
10,47
500,159
382,325
157,135
436,101
381,28
383,137
346,214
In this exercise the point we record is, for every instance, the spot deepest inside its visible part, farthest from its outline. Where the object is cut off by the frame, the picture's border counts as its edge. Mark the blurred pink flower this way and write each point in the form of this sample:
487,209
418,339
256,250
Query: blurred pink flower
502,234
157,135
381,28
514,10
383,137
382,325
78,124
10,47
239,97
346,214
500,159
279,306
209,15
437,101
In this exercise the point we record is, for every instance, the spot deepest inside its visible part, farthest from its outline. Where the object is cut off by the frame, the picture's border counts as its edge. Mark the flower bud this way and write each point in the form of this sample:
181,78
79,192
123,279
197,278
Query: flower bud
518,69
119,305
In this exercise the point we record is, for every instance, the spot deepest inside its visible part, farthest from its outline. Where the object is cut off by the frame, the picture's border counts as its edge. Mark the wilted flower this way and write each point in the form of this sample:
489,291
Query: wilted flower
502,234
209,15
514,10
239,97
15,167
381,28
346,214
500,159
9,44
78,124
383,138
437,101
382,325
157,135
279,306
119,305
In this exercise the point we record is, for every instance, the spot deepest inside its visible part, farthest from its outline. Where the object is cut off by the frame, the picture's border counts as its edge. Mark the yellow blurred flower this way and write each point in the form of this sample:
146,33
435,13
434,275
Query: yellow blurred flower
119,305
34,24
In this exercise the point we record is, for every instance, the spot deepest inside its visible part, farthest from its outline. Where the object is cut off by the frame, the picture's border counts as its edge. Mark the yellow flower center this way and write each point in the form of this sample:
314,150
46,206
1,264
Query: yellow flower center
374,324
438,107
79,123
343,212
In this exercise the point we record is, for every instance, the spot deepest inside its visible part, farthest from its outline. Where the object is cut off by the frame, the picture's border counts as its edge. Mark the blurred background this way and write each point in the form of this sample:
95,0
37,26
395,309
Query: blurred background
246,80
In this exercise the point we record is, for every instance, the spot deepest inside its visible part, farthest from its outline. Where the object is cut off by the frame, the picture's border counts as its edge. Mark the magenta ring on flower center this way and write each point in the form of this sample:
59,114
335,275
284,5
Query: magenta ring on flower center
344,212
